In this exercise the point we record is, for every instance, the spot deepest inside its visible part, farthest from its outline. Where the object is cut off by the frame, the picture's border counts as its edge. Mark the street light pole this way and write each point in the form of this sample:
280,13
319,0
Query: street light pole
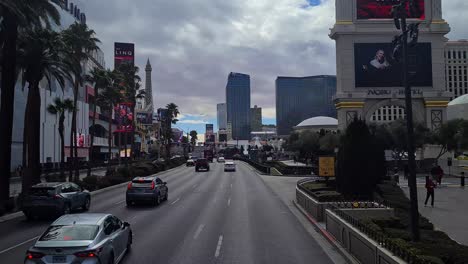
400,15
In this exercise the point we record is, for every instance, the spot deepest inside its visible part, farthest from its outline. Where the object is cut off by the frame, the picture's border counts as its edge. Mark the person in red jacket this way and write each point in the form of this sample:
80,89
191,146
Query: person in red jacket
430,185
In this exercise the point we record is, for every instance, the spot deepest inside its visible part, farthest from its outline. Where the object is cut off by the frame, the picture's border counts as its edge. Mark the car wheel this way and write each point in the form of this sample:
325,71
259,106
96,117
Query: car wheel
87,204
166,196
111,258
129,203
66,209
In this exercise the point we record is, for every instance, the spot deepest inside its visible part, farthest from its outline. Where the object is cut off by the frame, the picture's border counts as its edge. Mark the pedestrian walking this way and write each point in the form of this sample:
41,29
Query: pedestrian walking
440,174
430,186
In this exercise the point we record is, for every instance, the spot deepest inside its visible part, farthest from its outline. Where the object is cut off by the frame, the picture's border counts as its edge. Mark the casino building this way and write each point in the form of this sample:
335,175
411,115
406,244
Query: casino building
368,78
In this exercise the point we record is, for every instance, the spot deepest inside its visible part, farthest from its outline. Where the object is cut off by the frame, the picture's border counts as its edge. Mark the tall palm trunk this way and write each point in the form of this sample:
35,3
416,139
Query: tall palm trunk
7,102
32,133
62,145
110,142
74,130
91,146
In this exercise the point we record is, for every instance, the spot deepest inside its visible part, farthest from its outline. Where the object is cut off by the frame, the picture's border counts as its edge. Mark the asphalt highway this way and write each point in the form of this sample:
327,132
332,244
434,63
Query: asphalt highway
210,217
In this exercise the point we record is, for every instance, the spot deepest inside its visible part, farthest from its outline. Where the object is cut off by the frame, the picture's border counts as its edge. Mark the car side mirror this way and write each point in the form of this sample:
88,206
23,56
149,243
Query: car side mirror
126,224
164,183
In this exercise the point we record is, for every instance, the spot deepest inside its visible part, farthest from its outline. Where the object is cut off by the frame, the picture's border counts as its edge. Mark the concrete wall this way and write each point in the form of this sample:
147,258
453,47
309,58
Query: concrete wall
357,243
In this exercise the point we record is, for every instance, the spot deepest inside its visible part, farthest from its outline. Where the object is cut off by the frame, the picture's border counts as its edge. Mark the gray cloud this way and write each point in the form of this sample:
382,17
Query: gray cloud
194,44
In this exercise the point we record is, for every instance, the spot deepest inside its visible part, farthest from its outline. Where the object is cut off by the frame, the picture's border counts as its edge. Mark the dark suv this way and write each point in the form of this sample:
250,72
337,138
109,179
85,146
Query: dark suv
55,198
202,164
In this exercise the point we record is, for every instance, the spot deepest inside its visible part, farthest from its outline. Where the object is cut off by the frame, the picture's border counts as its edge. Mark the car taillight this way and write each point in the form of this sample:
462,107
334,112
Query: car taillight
89,254
153,185
34,255
129,186
57,196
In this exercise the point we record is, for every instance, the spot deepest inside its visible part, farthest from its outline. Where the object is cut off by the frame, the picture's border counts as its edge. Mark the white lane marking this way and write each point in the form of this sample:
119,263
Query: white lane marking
20,244
119,202
229,202
199,230
218,248
231,185
194,186
175,201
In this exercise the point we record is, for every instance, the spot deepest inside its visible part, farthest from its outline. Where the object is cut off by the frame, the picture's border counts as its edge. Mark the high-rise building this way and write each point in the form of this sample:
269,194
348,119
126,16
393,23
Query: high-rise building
299,98
256,119
222,116
238,105
456,64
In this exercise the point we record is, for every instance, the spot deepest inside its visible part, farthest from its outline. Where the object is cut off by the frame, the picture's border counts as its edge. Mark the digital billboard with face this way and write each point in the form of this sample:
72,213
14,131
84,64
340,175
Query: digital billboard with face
374,66
124,117
124,53
381,9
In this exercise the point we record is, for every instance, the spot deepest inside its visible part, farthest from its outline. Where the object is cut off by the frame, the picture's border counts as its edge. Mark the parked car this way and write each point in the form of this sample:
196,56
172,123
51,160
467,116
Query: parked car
82,238
190,163
221,159
202,164
146,189
56,198
229,166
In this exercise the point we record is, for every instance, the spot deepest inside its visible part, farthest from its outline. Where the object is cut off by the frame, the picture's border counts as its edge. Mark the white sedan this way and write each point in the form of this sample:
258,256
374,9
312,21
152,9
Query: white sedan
229,166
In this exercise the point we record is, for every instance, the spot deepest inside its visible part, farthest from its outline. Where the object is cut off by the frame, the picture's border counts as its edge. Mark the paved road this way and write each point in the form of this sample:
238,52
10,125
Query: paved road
211,217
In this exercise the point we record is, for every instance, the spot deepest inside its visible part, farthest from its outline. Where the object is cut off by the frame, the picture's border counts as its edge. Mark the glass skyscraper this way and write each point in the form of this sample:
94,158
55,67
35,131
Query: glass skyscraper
299,98
238,105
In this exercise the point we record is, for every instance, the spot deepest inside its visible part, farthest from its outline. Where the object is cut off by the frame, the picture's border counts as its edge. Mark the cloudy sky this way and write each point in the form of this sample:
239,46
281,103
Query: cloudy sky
194,44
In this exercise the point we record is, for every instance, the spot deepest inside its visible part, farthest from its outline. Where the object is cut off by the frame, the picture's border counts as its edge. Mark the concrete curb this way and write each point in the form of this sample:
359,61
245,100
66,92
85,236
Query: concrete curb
20,213
349,258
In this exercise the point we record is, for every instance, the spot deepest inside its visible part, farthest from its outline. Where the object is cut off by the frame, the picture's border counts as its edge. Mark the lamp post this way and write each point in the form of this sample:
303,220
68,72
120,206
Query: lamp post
401,52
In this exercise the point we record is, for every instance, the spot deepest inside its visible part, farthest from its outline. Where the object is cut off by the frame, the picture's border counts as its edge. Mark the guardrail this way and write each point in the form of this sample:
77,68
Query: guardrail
258,166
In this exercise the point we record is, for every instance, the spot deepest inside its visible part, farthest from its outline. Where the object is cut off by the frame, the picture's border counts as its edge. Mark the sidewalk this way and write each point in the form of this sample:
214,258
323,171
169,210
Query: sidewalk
15,182
449,213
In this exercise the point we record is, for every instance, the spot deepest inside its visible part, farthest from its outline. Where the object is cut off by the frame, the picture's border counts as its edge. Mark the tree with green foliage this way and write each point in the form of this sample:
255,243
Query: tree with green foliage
328,143
452,136
40,56
171,119
193,137
361,161
16,15
80,41
60,108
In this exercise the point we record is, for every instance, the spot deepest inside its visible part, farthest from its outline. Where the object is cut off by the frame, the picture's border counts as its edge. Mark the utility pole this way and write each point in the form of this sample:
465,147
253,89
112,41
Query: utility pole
401,52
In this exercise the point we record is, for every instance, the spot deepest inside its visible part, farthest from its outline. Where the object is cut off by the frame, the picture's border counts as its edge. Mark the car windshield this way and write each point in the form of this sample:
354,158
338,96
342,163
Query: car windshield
70,233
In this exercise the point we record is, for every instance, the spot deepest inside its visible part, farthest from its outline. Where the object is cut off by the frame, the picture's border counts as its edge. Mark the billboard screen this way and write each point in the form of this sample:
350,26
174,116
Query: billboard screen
124,53
144,118
124,117
381,9
374,66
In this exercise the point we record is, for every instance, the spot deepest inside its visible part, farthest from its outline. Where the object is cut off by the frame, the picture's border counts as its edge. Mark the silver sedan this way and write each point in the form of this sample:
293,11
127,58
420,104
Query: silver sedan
82,239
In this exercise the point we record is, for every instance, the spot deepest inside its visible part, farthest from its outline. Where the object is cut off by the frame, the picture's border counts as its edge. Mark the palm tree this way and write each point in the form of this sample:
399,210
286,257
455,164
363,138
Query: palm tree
172,113
109,97
39,57
60,107
193,137
80,41
15,15
100,79
131,86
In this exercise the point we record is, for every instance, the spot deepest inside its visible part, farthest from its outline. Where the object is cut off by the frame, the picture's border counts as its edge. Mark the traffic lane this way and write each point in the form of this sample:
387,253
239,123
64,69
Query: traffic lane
273,234
163,236
19,230
201,244
25,233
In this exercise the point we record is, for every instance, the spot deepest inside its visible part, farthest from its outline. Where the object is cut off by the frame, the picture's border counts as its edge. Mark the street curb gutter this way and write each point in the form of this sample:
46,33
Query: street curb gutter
349,258
20,213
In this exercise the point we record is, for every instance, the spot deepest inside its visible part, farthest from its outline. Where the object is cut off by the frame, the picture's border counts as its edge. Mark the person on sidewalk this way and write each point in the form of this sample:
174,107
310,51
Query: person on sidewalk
406,171
430,185
440,174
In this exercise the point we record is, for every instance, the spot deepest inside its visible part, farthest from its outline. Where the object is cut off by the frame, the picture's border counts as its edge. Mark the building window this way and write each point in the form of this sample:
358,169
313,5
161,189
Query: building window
388,114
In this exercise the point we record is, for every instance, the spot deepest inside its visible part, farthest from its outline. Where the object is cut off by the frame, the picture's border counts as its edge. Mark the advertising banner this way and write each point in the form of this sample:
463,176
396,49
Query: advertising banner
327,166
144,118
124,53
124,117
209,128
381,9
374,66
